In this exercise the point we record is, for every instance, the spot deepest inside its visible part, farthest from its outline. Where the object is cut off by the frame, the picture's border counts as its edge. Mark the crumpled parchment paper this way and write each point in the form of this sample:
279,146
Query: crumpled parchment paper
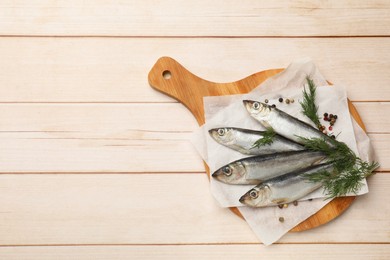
228,111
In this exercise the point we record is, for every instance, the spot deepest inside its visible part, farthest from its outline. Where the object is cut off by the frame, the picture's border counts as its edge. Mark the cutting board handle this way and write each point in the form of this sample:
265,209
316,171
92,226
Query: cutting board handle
172,79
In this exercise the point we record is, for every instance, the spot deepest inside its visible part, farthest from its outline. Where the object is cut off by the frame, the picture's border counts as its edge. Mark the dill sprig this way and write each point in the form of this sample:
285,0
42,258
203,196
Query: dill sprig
266,139
349,170
309,107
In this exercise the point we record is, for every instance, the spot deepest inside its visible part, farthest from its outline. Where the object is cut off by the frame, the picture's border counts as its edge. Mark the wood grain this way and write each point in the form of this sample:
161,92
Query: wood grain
156,209
190,89
171,78
200,18
94,120
115,69
340,251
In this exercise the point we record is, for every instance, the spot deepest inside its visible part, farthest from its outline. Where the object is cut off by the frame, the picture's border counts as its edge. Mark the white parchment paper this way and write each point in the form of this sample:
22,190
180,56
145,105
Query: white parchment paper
228,111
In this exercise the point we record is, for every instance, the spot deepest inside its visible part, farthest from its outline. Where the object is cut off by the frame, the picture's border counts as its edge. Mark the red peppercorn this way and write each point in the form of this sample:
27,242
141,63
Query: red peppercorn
326,119
330,128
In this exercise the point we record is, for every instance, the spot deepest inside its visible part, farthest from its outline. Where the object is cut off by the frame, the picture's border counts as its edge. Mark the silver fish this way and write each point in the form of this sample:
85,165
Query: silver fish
284,189
256,169
283,123
242,140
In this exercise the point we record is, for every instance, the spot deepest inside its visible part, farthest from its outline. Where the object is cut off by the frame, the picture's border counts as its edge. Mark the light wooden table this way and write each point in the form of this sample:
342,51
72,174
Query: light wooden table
95,164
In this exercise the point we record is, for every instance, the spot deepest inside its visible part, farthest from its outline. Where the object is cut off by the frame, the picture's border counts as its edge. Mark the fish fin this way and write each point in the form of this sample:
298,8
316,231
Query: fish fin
280,201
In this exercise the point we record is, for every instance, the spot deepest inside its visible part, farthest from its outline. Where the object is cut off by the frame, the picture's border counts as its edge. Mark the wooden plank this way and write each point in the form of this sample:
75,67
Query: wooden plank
112,120
374,116
250,18
95,138
115,69
60,209
307,251
121,137
382,150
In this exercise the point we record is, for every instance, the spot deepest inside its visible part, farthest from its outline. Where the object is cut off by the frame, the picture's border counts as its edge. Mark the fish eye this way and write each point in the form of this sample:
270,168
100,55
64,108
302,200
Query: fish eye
221,132
227,171
256,105
254,194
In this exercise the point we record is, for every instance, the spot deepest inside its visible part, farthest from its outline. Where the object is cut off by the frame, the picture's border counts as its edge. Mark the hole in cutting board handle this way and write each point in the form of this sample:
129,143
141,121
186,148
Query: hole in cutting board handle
166,74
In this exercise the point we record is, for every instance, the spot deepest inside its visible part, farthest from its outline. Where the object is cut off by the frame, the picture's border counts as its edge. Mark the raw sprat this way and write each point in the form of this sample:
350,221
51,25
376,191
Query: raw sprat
253,142
255,169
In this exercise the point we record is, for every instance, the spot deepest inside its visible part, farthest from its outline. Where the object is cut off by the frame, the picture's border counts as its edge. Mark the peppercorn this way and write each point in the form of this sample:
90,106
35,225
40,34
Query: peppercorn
266,100
295,203
335,116
325,114
273,105
280,100
280,206
281,219
287,101
333,136
310,199
331,123
326,119
292,100
331,116
330,128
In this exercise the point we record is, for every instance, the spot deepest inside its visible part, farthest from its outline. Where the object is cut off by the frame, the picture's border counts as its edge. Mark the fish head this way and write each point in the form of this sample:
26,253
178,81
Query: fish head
257,109
231,173
259,196
222,135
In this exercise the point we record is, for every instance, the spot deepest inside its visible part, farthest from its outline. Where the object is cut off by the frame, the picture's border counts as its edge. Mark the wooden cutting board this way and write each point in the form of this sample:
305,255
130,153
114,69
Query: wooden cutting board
172,79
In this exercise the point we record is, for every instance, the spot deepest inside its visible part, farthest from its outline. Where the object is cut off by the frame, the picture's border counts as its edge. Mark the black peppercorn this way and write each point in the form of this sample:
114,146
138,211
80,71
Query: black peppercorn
273,105
280,100
335,116
325,114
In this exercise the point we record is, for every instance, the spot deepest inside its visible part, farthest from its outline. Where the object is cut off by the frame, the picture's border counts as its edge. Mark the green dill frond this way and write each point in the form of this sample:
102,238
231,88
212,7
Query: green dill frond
267,138
309,107
367,168
349,170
